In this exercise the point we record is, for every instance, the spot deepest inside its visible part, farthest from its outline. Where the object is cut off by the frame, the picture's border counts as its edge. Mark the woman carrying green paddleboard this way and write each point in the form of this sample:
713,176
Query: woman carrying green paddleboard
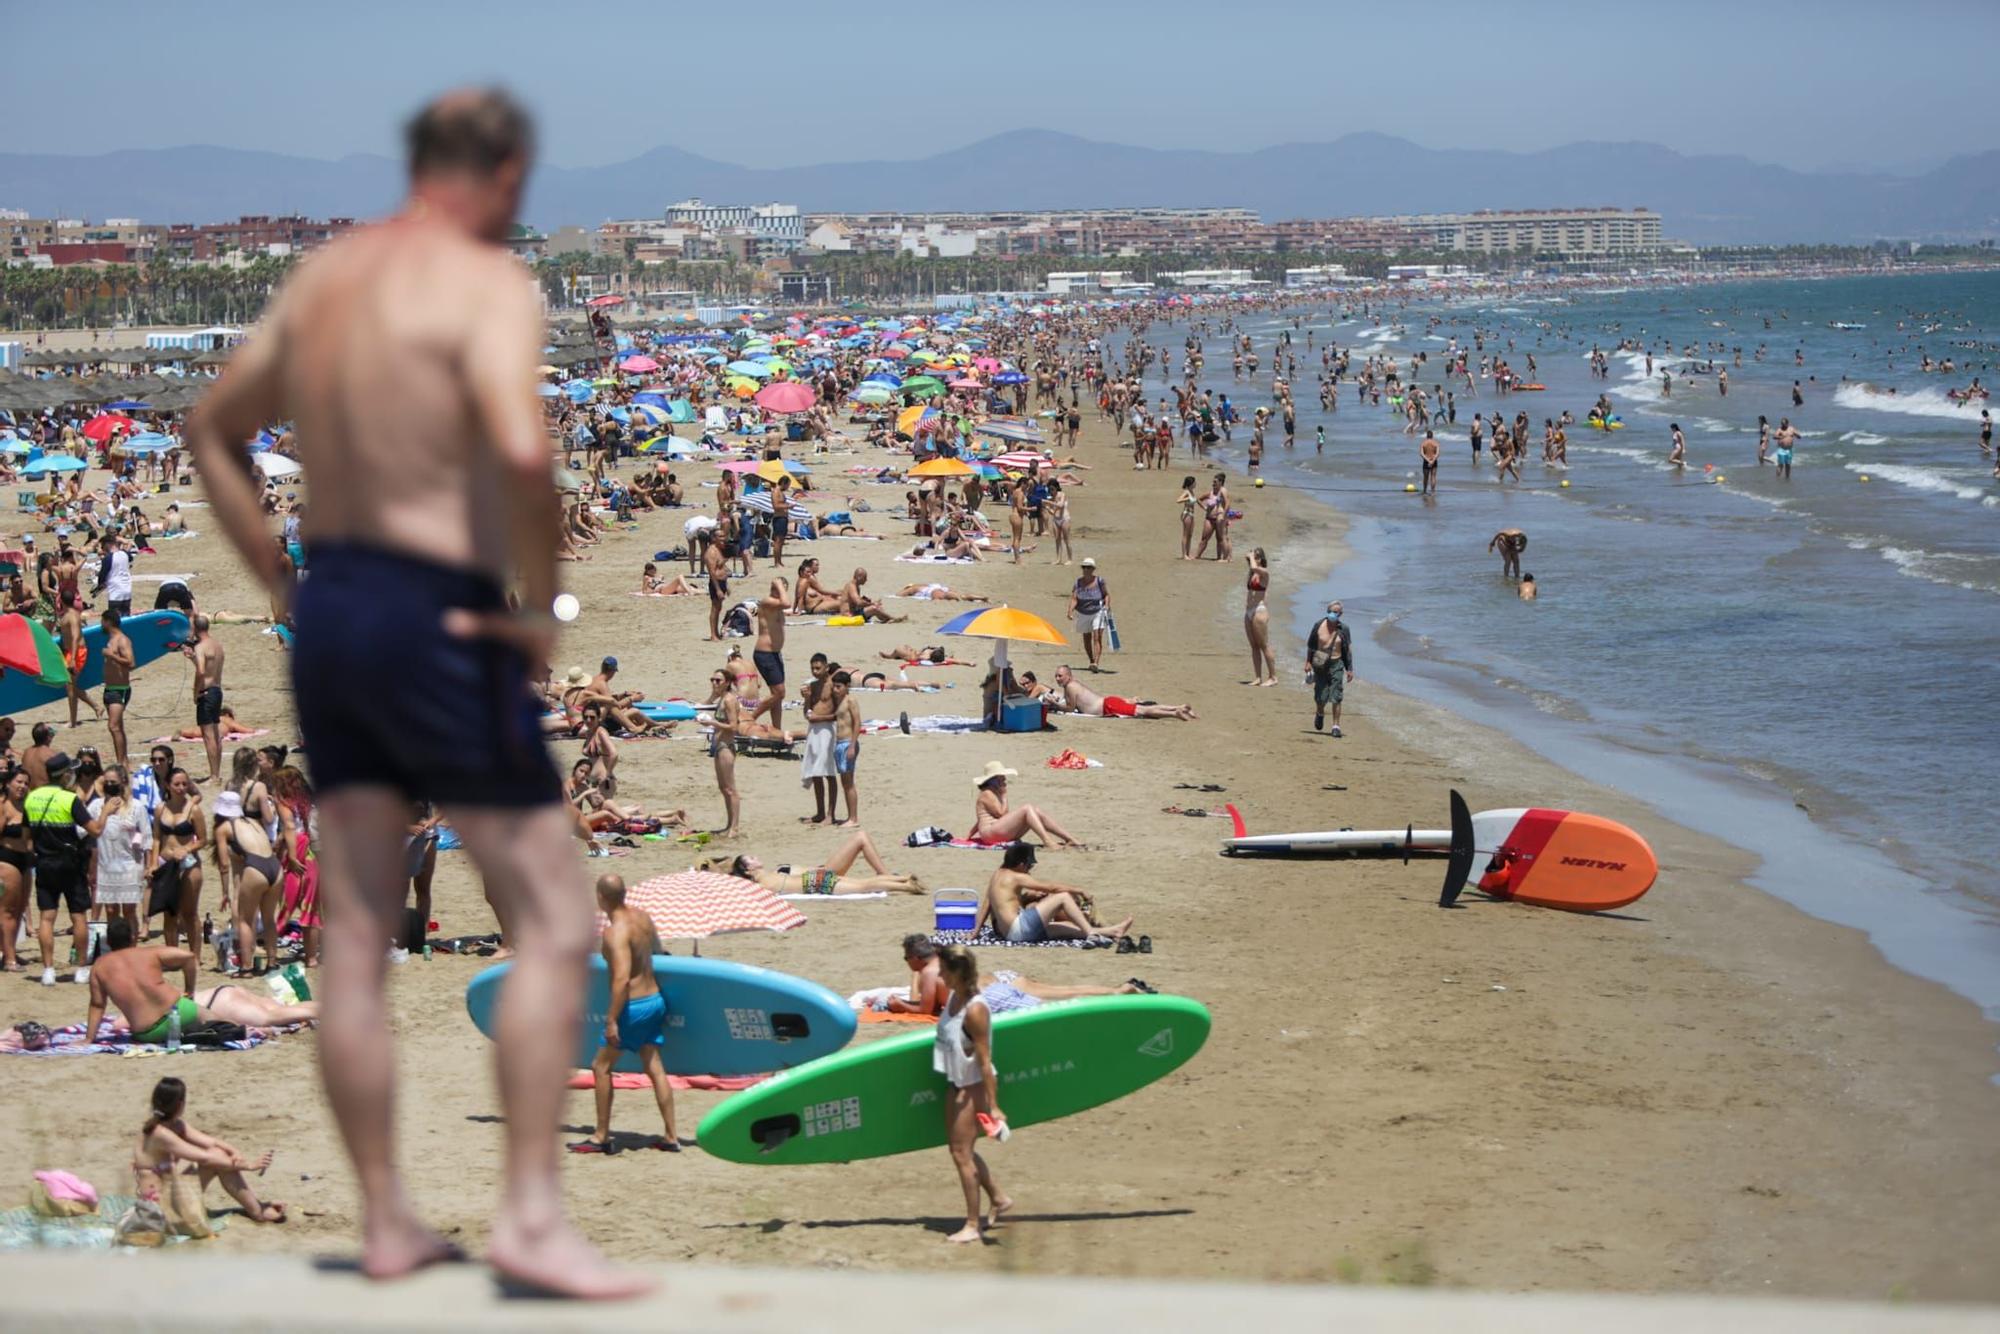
963,1054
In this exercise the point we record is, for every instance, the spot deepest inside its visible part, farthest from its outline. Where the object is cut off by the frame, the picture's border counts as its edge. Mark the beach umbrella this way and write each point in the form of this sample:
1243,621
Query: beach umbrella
786,397
27,648
909,419
693,905
1003,625
760,502
894,353
986,364
1009,377
1023,459
923,386
873,394
49,463
755,370
604,302
548,391
127,405
275,466
670,445
152,442
651,414
942,468
638,365
965,383
100,427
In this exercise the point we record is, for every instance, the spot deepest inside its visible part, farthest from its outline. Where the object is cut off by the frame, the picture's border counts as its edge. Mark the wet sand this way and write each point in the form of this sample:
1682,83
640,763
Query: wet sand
1707,1092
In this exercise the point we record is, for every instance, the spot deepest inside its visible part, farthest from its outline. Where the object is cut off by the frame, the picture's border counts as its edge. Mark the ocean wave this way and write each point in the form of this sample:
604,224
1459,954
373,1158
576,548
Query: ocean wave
1934,480
1862,438
1930,402
1713,425
1949,568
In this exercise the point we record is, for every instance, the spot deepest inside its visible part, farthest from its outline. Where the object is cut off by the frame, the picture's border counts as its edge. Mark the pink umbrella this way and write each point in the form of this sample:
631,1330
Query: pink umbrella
601,302
785,396
692,905
894,353
1021,458
967,382
639,365
987,364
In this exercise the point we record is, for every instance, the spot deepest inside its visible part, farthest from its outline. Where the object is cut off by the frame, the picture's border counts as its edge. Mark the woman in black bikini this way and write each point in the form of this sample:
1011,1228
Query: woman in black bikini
241,837
17,857
180,832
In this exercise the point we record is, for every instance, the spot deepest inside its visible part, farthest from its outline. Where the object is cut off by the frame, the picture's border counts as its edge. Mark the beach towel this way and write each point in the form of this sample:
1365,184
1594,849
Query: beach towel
940,724
1072,759
25,1230
631,1079
115,1039
936,560
890,1017
986,940
822,898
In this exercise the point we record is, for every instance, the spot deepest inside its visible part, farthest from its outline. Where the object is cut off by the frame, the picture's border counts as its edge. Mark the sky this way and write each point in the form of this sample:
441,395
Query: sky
777,83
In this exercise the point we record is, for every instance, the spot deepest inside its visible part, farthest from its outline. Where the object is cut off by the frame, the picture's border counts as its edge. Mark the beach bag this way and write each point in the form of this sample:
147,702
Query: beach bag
181,1204
61,1195
928,837
144,1224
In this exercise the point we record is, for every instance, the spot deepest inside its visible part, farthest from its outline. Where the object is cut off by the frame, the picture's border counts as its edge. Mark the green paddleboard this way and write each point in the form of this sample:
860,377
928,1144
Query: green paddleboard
883,1098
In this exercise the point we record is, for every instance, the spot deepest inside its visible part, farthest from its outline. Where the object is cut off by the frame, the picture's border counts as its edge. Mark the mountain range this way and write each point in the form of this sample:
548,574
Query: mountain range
1705,198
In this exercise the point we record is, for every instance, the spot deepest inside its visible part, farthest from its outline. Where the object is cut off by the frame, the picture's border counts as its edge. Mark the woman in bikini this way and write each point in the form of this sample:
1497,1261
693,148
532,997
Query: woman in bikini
17,860
180,832
830,876
601,812
963,1054
170,1147
994,822
1017,517
295,840
242,836
1257,620
1056,510
1190,508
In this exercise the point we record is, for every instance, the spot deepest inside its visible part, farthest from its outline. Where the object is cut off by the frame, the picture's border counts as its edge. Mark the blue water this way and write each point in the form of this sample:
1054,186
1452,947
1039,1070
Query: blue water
1804,668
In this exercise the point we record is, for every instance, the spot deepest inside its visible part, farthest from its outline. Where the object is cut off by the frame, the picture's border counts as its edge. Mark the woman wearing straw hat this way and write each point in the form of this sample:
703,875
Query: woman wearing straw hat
993,822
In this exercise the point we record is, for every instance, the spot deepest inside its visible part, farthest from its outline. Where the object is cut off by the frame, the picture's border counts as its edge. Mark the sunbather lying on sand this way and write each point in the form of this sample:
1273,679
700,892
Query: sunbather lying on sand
1002,991
1070,695
830,877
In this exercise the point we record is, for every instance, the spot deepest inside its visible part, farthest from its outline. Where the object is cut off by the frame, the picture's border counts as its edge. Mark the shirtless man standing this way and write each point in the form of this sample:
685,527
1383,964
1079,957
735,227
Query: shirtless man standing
118,664
715,560
406,354
69,630
1428,451
636,1019
206,655
1786,438
1510,542
1078,699
134,978
846,747
769,655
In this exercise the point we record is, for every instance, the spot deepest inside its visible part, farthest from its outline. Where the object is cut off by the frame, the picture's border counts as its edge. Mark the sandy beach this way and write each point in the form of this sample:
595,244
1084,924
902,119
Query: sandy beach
1709,1091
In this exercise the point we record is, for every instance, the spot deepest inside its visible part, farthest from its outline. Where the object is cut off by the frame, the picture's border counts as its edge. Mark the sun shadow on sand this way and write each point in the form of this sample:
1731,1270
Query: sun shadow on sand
946,1226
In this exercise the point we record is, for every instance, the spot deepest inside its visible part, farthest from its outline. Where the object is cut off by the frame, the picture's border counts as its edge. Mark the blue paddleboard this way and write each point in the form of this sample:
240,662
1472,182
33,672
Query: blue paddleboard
154,634
722,1018
665,711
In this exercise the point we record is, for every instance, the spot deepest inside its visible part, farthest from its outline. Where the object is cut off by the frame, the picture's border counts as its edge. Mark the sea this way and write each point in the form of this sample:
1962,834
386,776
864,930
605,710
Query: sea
1808,669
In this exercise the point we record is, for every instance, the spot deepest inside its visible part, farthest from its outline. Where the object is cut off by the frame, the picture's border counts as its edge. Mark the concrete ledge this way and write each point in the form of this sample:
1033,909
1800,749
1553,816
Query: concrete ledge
186,1289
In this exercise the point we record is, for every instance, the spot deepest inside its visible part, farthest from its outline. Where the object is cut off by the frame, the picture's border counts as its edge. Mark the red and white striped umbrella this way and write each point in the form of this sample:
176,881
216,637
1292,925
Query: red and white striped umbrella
690,905
1021,458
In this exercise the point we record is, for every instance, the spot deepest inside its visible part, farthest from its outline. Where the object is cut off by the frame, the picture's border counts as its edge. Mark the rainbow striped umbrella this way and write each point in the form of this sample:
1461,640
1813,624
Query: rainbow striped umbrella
27,648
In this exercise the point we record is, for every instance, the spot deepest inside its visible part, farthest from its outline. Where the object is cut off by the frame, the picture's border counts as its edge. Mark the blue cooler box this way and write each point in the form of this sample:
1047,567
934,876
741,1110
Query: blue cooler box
1020,714
955,909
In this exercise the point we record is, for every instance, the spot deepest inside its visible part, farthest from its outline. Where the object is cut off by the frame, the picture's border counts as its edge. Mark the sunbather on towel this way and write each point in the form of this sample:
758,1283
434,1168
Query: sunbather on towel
1070,694
994,822
600,811
939,593
1026,910
830,876
652,585
134,979
921,657
1003,991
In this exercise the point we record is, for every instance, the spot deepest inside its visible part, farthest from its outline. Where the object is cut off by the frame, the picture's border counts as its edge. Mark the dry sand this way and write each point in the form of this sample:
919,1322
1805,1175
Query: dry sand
1708,1092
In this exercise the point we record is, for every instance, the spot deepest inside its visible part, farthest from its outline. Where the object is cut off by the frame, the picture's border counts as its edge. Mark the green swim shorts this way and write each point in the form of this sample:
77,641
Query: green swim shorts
189,1012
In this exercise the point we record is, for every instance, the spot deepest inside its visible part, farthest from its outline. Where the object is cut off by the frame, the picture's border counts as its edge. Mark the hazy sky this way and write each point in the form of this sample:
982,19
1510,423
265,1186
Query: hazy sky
774,83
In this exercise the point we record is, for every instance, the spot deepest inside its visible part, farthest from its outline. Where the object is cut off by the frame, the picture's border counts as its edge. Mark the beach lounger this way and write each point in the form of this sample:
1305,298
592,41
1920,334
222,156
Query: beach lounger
767,747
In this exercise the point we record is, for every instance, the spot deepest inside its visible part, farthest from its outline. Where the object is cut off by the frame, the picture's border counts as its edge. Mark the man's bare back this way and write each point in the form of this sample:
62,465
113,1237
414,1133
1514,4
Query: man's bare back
377,332
135,980
630,933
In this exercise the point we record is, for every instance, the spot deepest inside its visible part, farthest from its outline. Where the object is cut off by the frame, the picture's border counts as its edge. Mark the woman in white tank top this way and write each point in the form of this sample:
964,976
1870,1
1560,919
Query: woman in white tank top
963,1054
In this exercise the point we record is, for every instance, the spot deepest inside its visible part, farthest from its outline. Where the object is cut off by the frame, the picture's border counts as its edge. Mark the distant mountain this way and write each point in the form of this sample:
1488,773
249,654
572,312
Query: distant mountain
1704,198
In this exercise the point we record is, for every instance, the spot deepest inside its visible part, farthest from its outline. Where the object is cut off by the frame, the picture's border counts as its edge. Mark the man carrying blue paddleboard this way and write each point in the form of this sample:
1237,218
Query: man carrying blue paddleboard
636,1019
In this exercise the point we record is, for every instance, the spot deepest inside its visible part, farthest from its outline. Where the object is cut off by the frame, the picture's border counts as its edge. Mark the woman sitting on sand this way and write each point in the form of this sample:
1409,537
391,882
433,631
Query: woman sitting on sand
830,876
993,822
167,1141
652,585
600,811
809,597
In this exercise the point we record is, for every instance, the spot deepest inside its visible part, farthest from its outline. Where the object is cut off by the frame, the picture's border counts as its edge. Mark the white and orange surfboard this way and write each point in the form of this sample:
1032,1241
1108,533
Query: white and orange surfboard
1568,860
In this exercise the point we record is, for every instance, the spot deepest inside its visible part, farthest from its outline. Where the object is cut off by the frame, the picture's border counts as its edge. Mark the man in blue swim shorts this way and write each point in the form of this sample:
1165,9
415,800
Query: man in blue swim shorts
635,1020
404,354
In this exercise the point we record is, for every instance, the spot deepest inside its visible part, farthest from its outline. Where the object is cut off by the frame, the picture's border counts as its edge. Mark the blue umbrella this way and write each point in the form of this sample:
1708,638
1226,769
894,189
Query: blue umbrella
756,370
49,463
1010,377
152,442
548,391
127,405
680,410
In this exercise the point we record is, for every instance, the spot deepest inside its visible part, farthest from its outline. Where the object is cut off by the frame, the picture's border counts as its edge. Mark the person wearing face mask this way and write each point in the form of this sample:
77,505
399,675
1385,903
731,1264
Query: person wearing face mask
1330,664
